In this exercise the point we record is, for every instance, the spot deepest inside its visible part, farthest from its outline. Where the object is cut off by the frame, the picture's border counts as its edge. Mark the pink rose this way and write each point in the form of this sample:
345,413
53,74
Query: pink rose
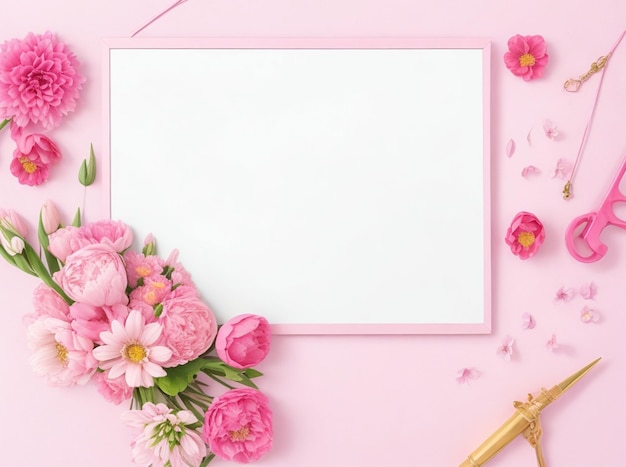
243,341
525,235
189,328
94,275
527,56
238,425
32,158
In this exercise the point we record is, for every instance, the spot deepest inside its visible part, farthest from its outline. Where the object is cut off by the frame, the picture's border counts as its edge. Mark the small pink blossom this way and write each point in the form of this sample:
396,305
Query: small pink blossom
530,170
552,344
527,56
564,295
563,169
505,349
238,426
189,329
130,349
589,315
39,80
164,437
525,235
588,291
94,275
139,266
464,375
113,390
156,288
63,357
244,341
528,322
32,159
550,129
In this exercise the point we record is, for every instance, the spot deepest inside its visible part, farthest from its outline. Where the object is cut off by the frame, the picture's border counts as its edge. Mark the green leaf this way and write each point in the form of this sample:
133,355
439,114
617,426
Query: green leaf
4,123
87,171
179,377
44,242
207,459
77,221
252,373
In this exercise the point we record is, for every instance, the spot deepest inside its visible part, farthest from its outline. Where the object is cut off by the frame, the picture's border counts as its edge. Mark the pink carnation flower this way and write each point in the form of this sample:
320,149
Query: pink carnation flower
527,56
164,436
525,235
189,328
113,390
39,80
94,275
243,341
238,425
32,158
129,349
62,356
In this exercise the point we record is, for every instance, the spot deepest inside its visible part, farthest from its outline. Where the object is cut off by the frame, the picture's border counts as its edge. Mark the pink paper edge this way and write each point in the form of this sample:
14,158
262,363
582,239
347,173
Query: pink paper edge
372,43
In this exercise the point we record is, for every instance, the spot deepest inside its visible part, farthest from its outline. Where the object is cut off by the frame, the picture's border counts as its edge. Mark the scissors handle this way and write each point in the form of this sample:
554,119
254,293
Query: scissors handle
589,235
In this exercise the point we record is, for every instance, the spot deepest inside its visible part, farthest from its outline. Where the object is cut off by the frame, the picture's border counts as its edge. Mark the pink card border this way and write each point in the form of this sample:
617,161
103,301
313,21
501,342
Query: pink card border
337,43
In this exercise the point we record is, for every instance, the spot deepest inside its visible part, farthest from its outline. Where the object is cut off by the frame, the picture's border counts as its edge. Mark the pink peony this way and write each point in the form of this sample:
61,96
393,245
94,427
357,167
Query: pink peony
94,275
238,425
189,328
48,303
244,341
60,355
165,437
70,239
89,321
66,241
525,235
39,80
130,349
527,56
113,390
32,158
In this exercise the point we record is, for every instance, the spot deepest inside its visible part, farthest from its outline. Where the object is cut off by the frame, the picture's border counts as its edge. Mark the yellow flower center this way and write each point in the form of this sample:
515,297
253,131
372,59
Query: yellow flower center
527,60
157,285
29,166
143,271
526,239
240,435
62,354
135,352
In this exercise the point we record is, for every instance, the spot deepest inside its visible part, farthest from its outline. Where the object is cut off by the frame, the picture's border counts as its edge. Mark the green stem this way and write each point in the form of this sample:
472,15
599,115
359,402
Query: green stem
223,383
4,123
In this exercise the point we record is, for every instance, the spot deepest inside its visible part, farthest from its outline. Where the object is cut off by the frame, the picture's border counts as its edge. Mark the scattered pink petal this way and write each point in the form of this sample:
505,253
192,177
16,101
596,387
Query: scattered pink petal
589,315
464,375
551,344
564,295
563,169
589,291
505,349
530,170
510,148
550,129
528,322
528,137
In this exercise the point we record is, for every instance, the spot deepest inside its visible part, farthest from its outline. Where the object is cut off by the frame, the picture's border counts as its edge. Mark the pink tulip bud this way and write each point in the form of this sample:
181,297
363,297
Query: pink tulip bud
13,247
50,217
12,221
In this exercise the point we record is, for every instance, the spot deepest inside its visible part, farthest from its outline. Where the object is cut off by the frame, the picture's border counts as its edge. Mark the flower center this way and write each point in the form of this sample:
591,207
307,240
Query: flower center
239,435
143,271
526,239
28,165
62,354
527,60
135,352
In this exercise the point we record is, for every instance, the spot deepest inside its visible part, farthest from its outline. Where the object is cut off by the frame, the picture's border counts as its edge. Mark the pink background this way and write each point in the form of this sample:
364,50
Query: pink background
375,400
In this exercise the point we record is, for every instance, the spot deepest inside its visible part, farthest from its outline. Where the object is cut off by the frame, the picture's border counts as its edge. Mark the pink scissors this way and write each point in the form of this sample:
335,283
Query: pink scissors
595,222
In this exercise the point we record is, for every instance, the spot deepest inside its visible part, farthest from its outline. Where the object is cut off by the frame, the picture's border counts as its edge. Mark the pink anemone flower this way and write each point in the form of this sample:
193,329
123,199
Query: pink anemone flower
527,56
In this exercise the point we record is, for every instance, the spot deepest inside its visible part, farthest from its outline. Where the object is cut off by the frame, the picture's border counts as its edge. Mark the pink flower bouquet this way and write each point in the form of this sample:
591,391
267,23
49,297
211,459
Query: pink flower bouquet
525,235
134,325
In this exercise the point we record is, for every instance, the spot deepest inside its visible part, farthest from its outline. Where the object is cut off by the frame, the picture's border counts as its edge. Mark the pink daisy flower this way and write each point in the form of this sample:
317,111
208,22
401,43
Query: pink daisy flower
129,349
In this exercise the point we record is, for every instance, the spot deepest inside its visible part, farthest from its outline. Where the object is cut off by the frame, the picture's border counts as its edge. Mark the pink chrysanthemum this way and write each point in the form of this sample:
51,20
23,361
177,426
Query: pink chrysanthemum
129,350
39,80
164,437
527,56
139,266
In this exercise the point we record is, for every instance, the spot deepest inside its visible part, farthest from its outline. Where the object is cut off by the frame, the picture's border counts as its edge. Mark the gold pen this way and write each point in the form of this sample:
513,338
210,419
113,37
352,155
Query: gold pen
524,421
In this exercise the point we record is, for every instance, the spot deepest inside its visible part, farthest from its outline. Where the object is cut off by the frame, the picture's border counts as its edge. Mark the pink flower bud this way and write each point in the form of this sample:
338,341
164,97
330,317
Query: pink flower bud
50,217
11,220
